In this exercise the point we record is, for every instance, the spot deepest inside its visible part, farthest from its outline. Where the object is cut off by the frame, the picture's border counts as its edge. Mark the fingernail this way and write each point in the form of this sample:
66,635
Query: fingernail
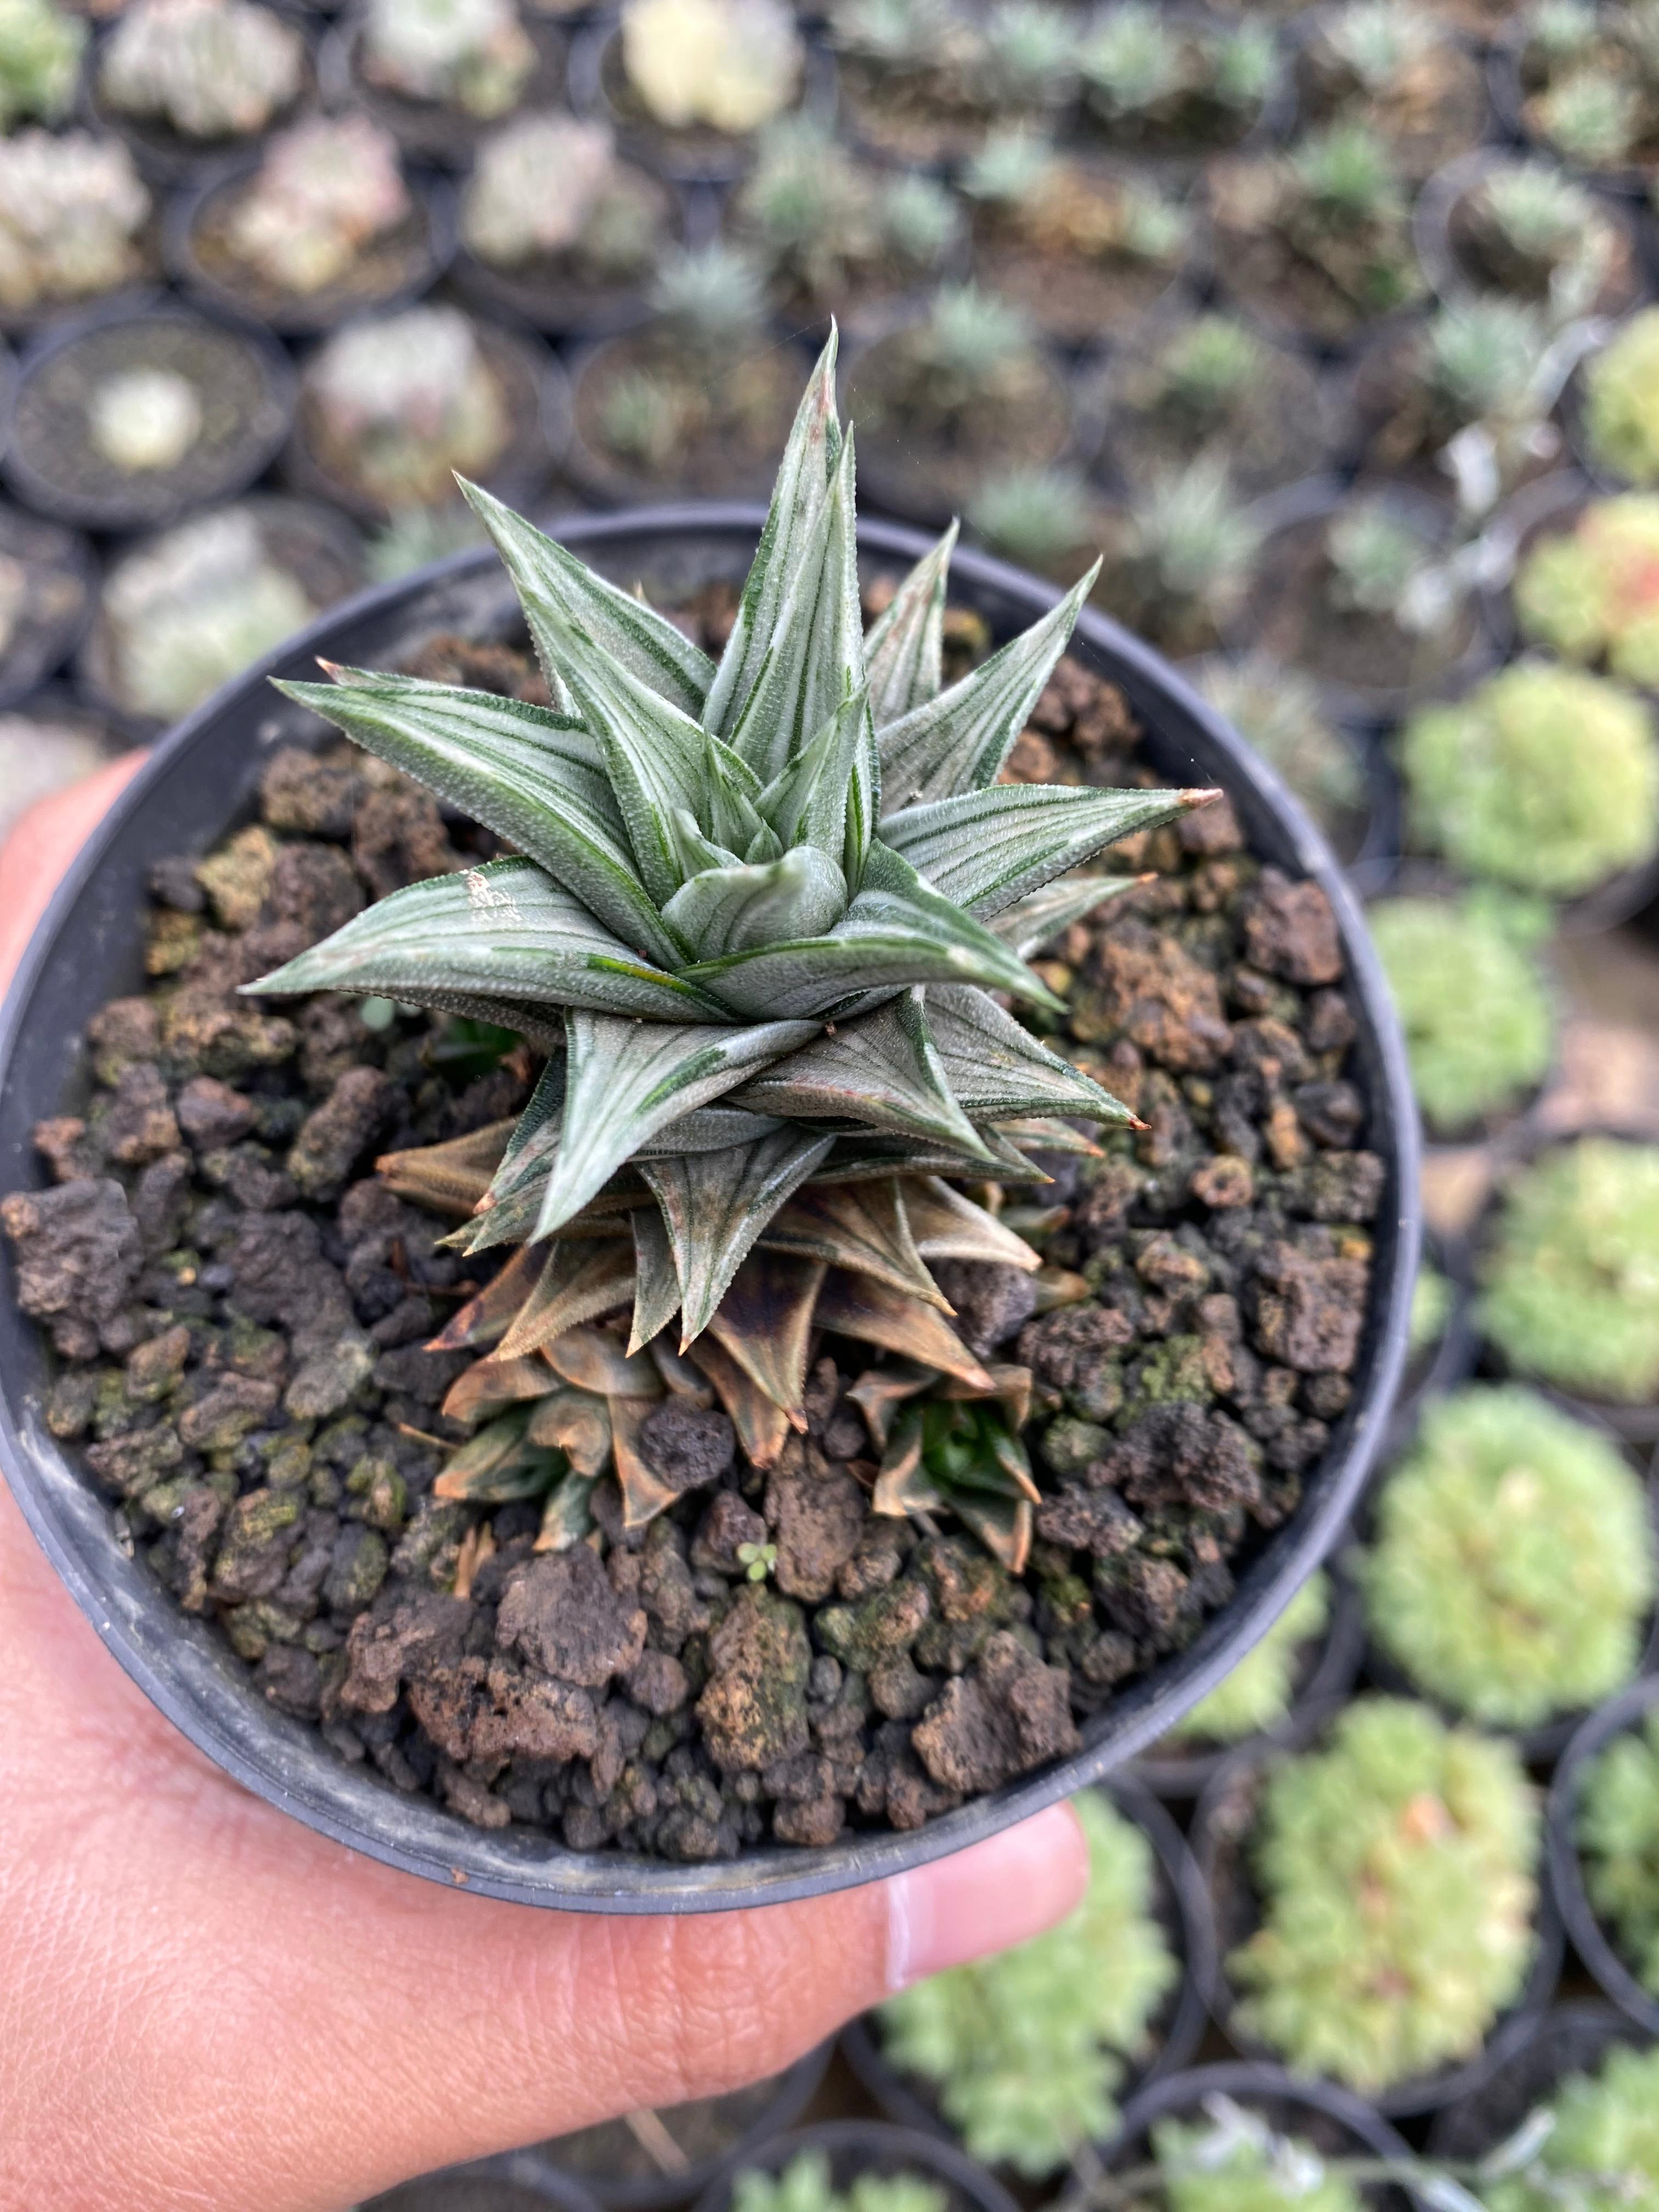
1001,1891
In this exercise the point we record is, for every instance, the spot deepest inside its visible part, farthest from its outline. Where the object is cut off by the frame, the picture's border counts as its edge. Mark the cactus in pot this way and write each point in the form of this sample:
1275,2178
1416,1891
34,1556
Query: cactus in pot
472,55
40,50
724,66
324,189
1591,593
399,403
204,68
72,212
1622,402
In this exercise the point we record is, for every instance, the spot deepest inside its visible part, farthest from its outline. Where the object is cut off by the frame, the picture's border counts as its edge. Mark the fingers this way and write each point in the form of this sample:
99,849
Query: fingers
43,842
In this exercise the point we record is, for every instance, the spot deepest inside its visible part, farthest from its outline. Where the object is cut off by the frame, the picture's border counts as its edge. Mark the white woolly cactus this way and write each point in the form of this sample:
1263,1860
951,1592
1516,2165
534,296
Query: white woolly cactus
470,54
145,419
325,190
71,210
547,184
408,398
728,65
207,68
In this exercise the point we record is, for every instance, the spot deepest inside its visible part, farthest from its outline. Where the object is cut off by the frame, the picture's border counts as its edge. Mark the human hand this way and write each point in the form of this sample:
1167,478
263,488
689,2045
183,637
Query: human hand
205,2004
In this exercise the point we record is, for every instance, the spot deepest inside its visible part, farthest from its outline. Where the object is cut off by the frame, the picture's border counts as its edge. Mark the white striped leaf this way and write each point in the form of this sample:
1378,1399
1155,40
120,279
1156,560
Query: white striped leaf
984,849
1038,918
881,1070
997,1070
903,653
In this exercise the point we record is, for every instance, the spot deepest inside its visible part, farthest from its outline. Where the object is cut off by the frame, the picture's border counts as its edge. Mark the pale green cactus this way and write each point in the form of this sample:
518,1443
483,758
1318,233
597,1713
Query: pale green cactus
1617,1832
40,50
1621,401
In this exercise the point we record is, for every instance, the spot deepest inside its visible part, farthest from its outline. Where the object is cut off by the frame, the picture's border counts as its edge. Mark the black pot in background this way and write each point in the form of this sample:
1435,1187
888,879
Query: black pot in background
1507,90
1220,1829
1183,1911
199,783
1590,1940
166,156
1435,208
1440,1366
856,2146
609,482
474,2189
763,2111
399,268
534,294
433,130
1572,2039
59,575
246,386
1336,2122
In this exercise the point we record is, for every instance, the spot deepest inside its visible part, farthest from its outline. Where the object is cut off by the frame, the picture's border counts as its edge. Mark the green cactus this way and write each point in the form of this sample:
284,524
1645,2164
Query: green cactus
1571,1292
1617,1833
1474,1008
1241,2166
1512,1573
1602,2154
207,68
1592,592
1621,401
805,2185
1257,1694
1494,790
41,49
1027,2050
1034,516
1395,1866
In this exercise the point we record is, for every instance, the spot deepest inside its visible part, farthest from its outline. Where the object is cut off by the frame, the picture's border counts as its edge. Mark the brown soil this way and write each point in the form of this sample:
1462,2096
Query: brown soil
1062,261
929,118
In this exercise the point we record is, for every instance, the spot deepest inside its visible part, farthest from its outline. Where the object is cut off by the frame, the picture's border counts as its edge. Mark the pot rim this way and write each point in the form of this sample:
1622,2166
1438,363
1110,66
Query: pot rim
1244,2079
289,1765
932,2154
1594,1946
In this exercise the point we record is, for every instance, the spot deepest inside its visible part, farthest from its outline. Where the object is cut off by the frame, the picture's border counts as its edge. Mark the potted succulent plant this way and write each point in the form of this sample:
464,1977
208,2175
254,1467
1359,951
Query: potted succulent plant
1588,591
1083,246
1583,82
182,612
925,81
1316,241
189,80
126,417
1167,87
1492,222
323,226
436,74
41,53
743,1537
1401,70
1475,1004
856,2166
834,232
76,224
46,591
1025,2058
391,406
1185,383
1604,1848
1616,421
1377,1904
1566,1295
1510,1570
688,83
1491,790
697,398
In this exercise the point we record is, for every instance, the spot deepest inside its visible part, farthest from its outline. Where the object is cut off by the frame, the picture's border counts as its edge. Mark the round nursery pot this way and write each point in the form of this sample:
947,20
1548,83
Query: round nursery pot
1181,1909
1221,1827
1591,1939
478,2188
615,2165
857,2146
1571,2038
1336,2122
244,386
166,156
198,783
388,271
1440,233
543,294
434,130
50,575
737,453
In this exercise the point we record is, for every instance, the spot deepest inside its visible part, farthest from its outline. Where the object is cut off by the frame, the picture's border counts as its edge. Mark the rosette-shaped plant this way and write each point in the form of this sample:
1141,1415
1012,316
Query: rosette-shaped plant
758,917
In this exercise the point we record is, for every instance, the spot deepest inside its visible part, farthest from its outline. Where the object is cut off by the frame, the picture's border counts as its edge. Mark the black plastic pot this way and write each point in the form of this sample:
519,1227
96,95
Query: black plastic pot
1336,2122
246,386
476,2189
388,272
1572,2039
1177,2031
1315,110
856,2146
596,2160
199,783
609,482
1220,1826
1161,145
59,578
433,130
540,296
22,323
1434,212
1590,1940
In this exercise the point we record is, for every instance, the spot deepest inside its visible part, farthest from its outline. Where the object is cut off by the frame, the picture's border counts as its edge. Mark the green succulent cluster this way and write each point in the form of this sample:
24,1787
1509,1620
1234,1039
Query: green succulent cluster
806,2185
1570,1284
1257,1694
1475,1010
41,49
1617,1833
1511,1572
821,219
1592,592
1602,2154
1243,2167
1027,2050
1395,1869
1494,788
1621,401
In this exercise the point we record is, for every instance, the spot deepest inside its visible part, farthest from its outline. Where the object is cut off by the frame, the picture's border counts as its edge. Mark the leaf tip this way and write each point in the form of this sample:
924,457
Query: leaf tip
1191,801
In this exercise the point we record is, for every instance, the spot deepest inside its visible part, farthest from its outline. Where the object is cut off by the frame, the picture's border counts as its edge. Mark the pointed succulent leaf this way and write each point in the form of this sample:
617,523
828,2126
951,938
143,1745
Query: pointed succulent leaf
579,1281
591,1360
566,1518
707,1129
730,789
765,1322
858,1306
881,1070
656,1281
625,1080
714,1206
1034,1134
834,676
735,910
799,497
997,1069
575,1422
1038,918
693,851
681,1375
762,1428
497,1464
490,1384
471,748
959,740
903,650
644,1492
767,734
450,1177
863,1226
485,1319
984,849
807,803
946,1225
867,1154
505,930
557,590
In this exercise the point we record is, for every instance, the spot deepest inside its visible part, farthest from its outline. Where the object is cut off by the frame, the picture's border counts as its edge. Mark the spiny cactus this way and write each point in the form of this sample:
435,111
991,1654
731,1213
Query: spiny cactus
474,55
1280,711
406,399
40,50
71,211
1031,46
1237,2164
729,66
823,221
1592,592
1380,44
548,184
324,189
1541,235
1621,401
1348,173
1617,1832
1033,516
208,69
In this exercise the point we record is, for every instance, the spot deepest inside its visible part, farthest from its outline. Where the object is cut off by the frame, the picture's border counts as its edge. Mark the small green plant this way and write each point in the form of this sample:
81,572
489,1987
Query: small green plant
407,399
1349,175
1512,1573
417,535
1617,1833
1379,559
1193,533
822,222
1592,592
550,185
1380,44
1621,401
713,296
324,191
1592,115
1133,59
41,49
1543,233
1474,1008
1257,1694
1241,2166
1027,2050
1601,2152
727,66
971,341
207,68
805,2185
1033,516
1395,1867
471,54
757,1560
1280,710
901,34
1031,47
1493,788
71,211
1571,1281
